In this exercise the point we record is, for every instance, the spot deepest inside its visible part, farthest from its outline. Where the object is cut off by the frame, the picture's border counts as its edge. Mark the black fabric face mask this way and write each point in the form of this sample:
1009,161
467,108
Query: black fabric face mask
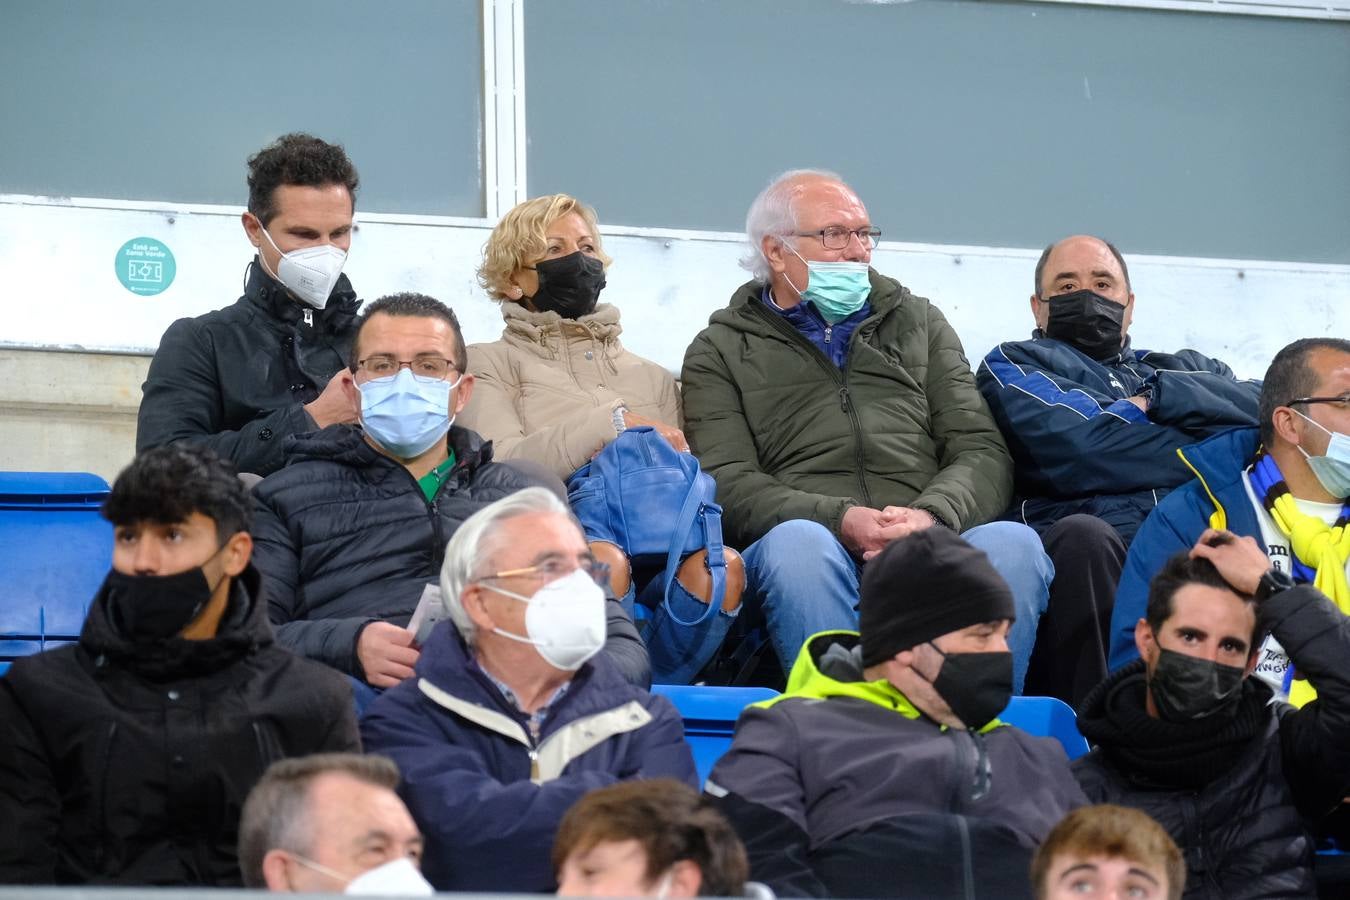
157,607
1186,687
1087,321
569,285
975,685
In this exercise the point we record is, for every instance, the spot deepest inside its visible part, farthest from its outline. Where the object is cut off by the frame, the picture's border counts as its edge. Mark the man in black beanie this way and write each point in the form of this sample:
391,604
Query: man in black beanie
882,770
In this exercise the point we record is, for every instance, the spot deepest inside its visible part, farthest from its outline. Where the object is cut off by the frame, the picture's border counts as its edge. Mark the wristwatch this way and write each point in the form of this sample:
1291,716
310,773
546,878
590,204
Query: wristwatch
1272,583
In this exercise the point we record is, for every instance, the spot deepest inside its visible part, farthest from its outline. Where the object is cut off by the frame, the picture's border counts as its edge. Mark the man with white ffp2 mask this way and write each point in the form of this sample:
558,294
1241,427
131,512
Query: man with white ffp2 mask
243,378
353,529
331,823
513,714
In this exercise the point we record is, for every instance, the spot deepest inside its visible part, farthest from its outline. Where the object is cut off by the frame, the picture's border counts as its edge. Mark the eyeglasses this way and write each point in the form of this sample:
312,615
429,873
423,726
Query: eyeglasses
1342,402
424,367
836,236
553,569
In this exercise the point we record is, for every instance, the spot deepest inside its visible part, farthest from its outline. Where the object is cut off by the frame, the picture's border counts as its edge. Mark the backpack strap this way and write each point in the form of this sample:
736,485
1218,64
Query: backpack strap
694,510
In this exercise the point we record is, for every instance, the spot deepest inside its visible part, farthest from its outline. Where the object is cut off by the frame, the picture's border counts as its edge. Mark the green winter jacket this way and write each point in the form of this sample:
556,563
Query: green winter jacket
787,435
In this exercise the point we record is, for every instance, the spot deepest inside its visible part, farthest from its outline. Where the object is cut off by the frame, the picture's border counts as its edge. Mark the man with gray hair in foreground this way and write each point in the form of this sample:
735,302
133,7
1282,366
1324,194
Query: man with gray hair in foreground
330,822
513,713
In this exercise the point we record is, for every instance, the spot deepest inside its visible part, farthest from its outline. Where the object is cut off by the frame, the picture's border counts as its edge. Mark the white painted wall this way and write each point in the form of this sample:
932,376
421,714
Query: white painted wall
57,266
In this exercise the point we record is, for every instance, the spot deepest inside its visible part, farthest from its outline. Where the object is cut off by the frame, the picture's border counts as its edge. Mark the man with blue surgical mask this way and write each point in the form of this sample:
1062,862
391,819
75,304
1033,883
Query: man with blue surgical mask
353,529
1286,484
838,413
243,378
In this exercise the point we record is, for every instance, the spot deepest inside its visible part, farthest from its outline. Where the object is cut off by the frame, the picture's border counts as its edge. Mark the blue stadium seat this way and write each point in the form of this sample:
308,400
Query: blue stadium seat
710,715
1047,717
54,550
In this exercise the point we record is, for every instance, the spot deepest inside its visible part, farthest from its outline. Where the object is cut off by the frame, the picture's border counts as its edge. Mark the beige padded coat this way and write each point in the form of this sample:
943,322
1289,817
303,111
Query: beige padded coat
548,389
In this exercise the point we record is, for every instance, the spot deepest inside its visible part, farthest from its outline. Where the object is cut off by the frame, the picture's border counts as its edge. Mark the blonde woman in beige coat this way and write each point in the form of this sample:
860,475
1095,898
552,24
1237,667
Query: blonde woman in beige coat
559,386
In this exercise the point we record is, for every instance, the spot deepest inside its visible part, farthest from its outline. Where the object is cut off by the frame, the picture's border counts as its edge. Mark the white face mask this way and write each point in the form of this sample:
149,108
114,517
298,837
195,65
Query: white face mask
309,273
565,620
396,878
406,415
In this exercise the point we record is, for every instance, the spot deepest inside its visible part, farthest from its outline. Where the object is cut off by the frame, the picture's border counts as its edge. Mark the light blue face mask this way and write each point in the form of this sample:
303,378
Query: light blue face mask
1333,468
404,414
836,289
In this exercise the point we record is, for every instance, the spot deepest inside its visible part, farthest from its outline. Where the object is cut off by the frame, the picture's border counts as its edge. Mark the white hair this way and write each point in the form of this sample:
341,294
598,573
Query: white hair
772,214
468,547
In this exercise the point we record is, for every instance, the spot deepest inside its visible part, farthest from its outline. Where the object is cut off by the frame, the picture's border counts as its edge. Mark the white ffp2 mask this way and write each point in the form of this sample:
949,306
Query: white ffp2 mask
309,273
564,620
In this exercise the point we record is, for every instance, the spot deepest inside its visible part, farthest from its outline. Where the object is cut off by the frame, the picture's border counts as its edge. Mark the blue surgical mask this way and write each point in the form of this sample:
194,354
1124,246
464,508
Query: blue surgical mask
836,289
404,414
1332,468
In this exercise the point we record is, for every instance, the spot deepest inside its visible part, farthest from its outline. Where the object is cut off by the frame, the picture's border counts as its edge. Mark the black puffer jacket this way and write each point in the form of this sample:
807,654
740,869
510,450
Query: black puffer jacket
237,379
1241,793
128,764
345,537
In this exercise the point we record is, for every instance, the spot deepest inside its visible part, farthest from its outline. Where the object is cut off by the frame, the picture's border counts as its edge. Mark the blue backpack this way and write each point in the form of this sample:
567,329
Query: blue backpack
654,503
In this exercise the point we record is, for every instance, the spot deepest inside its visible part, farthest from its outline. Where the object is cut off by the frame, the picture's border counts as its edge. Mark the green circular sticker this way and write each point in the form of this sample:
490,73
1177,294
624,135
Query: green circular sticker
145,266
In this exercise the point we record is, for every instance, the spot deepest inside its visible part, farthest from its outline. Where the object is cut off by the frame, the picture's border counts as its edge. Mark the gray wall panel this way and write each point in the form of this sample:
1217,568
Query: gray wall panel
959,121
164,100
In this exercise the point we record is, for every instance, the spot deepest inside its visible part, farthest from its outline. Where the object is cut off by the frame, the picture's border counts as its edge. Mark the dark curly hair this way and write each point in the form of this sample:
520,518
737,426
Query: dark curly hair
168,484
299,159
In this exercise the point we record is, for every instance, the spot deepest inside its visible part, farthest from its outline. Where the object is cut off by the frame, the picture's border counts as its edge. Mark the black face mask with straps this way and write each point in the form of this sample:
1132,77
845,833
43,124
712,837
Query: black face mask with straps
1187,687
1088,321
976,686
570,285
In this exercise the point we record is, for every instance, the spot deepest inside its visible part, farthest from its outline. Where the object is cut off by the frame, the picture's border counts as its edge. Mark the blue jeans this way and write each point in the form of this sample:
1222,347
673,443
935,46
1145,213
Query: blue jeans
804,581
678,652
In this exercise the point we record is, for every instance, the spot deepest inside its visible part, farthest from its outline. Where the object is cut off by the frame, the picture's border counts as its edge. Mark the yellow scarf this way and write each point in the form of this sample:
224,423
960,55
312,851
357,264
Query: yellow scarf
1323,547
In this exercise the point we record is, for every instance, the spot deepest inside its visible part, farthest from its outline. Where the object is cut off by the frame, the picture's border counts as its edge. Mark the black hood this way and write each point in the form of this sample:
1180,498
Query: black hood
243,629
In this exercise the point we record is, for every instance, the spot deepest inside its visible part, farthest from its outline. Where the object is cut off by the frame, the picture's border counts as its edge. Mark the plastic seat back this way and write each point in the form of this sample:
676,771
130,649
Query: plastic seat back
55,549
710,715
1047,717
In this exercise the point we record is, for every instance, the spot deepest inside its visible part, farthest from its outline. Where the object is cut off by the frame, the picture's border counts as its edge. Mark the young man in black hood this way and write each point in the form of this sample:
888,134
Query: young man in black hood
1186,735
125,758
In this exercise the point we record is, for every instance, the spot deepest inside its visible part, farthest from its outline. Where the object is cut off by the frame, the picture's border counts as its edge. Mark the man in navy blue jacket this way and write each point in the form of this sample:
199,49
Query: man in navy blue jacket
1093,426
1277,484
513,714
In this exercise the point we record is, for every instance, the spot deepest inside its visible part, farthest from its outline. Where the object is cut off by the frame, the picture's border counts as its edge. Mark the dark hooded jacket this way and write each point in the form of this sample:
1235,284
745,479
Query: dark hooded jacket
842,788
1239,793
237,379
128,763
345,536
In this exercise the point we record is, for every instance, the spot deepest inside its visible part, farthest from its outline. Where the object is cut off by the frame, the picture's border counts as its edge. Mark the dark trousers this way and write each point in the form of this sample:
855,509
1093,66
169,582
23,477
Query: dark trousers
1073,637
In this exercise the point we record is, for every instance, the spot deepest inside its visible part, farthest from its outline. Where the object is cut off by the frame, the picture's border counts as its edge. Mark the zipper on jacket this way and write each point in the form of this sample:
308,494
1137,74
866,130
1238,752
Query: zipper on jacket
967,863
309,317
829,333
101,820
840,378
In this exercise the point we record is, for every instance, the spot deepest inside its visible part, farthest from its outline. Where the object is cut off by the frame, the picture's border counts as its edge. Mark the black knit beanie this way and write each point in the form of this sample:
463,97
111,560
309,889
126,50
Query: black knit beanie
925,585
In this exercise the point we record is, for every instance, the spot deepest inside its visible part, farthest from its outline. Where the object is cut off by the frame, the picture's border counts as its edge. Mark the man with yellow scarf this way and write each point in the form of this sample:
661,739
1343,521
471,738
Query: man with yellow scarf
1285,484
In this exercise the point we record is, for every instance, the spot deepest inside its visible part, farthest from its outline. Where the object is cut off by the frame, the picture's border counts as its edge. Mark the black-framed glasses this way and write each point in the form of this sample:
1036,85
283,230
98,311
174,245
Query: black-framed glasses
836,236
424,366
553,569
1342,402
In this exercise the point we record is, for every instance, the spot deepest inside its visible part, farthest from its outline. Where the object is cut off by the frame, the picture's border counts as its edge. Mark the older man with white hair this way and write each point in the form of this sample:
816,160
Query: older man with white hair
837,412
513,714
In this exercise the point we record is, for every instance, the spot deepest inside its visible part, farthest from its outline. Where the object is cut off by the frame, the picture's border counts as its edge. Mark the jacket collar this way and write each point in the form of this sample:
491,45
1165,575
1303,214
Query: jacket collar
886,295
1219,462
546,327
347,445
272,298
243,629
1127,352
